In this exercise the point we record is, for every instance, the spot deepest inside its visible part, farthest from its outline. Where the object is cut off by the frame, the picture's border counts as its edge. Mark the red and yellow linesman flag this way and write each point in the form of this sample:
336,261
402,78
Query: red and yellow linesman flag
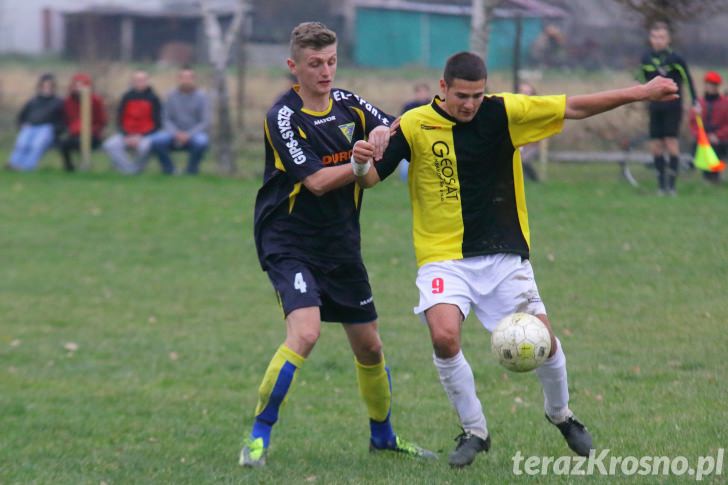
705,157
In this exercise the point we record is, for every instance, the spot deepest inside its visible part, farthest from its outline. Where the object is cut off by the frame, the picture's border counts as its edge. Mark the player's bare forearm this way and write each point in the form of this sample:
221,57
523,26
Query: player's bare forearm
328,179
362,154
584,106
369,180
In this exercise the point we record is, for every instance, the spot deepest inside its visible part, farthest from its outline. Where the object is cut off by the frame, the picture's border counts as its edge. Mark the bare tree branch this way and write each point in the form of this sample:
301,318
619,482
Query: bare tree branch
674,11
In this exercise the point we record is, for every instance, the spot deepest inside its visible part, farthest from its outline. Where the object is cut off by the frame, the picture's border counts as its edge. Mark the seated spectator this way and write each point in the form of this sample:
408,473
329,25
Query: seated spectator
714,109
138,117
40,120
422,97
72,110
185,121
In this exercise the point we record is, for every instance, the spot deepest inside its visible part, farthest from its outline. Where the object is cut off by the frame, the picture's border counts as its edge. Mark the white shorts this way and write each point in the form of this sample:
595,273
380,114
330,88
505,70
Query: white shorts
495,285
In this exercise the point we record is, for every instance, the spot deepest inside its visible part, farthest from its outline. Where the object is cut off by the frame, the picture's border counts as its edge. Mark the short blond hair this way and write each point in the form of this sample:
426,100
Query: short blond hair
314,35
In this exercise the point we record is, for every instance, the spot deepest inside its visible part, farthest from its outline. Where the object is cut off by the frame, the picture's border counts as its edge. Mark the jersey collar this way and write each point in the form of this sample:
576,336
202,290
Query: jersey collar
436,106
294,90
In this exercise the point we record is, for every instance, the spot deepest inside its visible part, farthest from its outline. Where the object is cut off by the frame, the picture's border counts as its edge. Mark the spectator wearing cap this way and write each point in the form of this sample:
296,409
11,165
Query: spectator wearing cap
72,111
40,121
714,109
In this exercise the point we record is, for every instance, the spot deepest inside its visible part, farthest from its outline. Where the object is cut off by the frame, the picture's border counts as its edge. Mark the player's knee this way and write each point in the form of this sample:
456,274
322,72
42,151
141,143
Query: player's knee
307,338
372,349
445,343
554,345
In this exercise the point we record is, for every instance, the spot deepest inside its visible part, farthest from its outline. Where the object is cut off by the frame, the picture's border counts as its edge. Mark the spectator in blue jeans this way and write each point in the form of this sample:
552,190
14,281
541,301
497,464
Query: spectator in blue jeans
186,119
40,121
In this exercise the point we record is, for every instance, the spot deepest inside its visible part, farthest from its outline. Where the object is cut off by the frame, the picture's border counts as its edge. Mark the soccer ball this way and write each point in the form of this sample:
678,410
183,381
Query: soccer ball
521,342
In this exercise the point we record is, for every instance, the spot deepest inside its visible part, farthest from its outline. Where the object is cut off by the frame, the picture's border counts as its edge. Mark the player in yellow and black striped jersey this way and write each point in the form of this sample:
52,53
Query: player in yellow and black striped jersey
470,223
466,181
307,237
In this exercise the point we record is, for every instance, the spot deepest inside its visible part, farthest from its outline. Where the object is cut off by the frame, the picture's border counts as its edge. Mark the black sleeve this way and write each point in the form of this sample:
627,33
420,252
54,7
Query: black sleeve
156,112
647,71
295,154
687,78
120,114
397,150
23,114
59,119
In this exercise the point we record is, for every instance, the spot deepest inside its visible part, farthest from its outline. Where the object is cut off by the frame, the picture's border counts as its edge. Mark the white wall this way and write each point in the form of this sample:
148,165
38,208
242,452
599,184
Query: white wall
21,21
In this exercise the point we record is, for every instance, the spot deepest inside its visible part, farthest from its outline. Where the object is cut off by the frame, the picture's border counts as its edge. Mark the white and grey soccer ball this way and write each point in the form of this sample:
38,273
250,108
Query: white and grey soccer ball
521,342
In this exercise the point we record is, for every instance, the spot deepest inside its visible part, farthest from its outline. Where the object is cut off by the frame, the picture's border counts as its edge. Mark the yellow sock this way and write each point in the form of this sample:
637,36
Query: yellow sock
277,381
374,389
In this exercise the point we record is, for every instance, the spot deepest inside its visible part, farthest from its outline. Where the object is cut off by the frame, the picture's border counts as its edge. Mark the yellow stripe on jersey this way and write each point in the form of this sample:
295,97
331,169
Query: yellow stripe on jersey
292,196
278,162
302,133
434,186
521,197
357,194
363,119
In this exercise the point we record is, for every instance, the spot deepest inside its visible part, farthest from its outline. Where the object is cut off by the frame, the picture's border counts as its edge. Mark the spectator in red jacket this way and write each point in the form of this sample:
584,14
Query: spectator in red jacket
714,109
72,111
138,117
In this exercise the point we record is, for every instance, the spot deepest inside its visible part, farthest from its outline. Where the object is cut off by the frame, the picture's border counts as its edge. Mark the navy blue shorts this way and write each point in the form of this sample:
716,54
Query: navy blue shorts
341,291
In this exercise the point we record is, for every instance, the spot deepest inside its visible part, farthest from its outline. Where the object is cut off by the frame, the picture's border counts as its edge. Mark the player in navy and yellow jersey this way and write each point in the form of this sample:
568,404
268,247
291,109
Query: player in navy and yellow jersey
307,236
665,116
470,224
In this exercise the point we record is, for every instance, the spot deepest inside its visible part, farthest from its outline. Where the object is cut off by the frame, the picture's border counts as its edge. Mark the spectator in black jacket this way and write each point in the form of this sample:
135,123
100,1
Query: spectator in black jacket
40,121
138,117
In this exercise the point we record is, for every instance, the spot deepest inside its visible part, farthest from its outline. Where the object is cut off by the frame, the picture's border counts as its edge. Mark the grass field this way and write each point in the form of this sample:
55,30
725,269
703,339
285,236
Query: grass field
135,325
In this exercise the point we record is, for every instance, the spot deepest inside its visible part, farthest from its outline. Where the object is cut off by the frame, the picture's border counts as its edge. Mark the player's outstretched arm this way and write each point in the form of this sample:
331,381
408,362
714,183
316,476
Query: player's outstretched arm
362,163
328,179
584,106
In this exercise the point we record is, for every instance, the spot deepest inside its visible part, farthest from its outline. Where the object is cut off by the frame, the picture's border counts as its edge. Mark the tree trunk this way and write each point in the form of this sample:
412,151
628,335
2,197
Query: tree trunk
478,29
224,138
481,16
220,49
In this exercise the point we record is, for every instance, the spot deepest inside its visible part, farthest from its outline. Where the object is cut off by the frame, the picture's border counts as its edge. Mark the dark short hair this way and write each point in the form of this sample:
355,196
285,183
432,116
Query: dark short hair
47,77
314,35
660,25
466,66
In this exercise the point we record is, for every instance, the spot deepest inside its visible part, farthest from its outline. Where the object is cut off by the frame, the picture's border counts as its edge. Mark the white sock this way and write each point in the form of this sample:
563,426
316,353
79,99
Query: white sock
552,375
457,378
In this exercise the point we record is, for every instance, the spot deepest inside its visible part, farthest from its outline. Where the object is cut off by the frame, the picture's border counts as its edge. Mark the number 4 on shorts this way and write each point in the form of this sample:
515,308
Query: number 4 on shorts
298,283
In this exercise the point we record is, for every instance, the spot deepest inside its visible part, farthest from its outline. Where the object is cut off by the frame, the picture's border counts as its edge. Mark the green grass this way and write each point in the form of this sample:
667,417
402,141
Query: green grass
156,282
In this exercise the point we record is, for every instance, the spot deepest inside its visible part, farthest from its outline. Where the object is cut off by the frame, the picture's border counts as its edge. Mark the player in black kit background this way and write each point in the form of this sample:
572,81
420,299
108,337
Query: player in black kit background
666,116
